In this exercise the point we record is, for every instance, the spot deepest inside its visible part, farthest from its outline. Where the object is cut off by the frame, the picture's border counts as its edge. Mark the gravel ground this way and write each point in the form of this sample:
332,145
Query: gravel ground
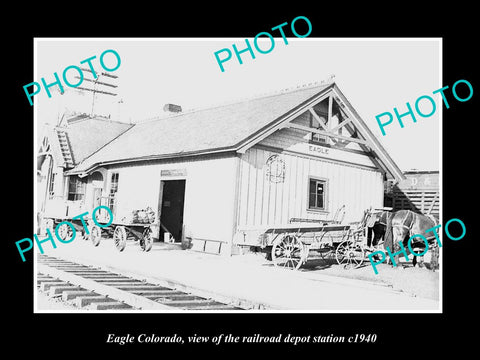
313,278
45,302
416,281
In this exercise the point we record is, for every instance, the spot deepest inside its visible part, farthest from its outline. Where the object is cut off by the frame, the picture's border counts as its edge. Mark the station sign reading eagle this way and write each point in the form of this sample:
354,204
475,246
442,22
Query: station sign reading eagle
275,169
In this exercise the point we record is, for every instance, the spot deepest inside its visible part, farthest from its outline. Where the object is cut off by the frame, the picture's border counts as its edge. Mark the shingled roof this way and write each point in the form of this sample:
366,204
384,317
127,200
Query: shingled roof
71,143
90,134
222,128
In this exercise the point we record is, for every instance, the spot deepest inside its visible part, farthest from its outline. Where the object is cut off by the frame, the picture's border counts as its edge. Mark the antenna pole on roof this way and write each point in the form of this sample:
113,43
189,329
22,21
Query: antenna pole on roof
119,109
59,121
93,103
97,86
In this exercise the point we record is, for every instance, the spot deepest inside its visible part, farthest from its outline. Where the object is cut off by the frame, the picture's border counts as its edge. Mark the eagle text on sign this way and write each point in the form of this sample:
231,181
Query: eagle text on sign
318,149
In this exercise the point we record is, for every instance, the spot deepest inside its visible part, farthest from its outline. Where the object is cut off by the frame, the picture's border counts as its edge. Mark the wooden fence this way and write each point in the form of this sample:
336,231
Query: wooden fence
423,201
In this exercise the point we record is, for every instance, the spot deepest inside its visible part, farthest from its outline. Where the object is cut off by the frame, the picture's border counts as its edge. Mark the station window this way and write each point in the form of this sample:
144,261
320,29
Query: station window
317,190
113,191
51,186
76,188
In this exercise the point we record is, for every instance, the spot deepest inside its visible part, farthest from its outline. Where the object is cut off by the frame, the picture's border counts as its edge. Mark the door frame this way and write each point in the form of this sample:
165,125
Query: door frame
160,200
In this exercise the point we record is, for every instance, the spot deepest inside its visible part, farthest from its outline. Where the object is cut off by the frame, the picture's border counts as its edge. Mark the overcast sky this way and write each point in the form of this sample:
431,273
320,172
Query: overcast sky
375,75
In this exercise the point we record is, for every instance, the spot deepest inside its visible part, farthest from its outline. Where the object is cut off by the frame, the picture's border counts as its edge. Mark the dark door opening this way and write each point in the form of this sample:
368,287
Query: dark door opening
171,216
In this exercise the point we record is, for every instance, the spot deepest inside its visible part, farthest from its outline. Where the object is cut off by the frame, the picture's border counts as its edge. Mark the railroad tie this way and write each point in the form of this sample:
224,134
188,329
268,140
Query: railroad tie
94,288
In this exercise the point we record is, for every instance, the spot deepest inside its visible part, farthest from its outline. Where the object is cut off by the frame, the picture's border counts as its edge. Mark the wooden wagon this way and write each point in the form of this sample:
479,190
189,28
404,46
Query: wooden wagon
66,211
121,232
57,213
291,245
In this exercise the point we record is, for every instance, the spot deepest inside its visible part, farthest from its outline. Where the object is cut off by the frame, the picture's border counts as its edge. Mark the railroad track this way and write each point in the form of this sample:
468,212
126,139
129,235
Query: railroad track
94,288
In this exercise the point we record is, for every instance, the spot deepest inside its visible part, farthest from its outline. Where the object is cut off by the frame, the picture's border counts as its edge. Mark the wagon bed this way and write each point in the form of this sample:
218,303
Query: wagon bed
123,231
265,236
306,228
289,245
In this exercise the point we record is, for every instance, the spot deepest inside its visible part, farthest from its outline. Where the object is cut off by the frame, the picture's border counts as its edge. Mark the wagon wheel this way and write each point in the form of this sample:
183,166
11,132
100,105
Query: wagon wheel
65,232
349,254
288,252
120,238
84,235
146,240
48,224
327,251
95,235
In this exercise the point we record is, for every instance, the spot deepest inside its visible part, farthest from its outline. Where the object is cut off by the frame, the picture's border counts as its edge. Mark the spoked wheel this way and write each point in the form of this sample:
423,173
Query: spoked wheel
120,238
95,235
82,235
349,255
147,240
288,252
326,248
48,224
65,232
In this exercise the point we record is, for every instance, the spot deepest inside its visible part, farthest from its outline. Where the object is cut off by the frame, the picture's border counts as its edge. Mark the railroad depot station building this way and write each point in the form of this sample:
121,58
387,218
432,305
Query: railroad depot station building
207,174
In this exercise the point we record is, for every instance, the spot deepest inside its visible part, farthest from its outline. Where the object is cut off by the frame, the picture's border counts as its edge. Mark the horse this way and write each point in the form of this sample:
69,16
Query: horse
404,224
376,224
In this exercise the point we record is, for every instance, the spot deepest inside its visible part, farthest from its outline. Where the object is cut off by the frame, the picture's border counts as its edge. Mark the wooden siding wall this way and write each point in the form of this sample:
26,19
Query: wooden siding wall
42,184
284,138
43,200
209,193
265,203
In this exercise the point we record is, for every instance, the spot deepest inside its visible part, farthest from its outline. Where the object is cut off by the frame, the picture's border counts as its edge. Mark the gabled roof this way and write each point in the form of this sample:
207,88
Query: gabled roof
214,129
90,134
75,141
231,127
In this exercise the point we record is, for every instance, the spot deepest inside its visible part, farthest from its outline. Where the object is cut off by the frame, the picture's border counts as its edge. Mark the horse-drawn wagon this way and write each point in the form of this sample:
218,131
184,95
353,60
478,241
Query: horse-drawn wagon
292,245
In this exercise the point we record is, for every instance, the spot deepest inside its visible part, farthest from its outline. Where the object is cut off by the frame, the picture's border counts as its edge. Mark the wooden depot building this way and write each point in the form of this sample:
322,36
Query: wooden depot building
302,153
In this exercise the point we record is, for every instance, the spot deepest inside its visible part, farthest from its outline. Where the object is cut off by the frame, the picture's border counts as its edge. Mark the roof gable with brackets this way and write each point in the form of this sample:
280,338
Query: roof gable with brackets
238,126
335,120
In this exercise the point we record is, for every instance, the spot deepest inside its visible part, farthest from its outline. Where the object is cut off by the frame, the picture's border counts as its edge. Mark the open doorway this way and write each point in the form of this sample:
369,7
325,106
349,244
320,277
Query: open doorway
171,213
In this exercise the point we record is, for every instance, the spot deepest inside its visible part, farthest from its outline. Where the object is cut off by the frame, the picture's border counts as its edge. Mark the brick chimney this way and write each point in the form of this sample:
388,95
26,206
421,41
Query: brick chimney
172,108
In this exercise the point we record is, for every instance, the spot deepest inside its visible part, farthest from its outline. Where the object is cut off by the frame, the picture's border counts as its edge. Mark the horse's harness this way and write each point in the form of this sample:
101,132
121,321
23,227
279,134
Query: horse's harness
405,223
387,217
408,223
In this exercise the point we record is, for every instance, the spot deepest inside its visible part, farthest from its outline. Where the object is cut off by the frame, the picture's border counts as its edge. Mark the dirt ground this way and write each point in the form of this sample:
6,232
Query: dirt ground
415,281
315,275
45,302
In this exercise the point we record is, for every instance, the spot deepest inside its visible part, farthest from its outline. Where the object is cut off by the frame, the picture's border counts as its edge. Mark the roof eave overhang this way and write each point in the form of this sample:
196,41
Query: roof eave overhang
84,172
280,122
384,161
